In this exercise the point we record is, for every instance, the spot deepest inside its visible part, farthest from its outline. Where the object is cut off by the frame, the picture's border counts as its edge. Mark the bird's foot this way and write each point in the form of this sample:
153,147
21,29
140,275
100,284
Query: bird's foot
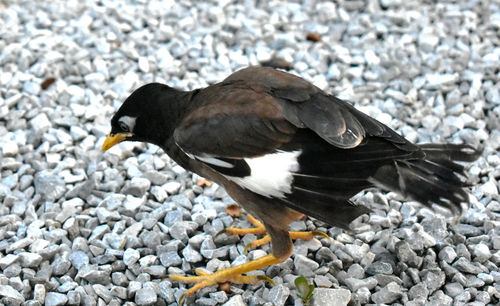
231,275
259,229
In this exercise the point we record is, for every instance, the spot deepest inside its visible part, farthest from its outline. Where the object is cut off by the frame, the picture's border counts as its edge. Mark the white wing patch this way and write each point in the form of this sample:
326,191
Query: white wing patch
214,161
271,175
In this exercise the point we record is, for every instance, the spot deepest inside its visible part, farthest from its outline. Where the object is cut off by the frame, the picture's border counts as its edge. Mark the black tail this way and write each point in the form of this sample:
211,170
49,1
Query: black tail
436,178
330,176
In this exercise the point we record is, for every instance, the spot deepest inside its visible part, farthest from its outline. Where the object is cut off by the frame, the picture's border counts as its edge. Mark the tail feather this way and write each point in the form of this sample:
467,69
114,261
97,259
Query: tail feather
329,177
449,151
435,179
337,211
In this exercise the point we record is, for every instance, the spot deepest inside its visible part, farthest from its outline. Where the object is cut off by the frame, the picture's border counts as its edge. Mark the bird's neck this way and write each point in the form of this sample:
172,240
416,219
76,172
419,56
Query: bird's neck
171,112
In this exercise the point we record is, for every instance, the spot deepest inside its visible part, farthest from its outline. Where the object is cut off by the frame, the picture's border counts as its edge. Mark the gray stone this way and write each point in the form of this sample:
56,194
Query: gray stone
132,204
106,216
172,217
407,255
436,227
12,270
179,231
278,295
357,252
50,186
324,296
419,239
102,292
356,271
152,239
209,251
172,187
157,178
467,230
325,253
159,193
69,208
379,267
418,291
61,265
486,278
67,286
236,300
119,292
447,254
383,279
155,271
55,299
439,298
137,186
79,259
99,232
433,279
130,257
463,251
97,277
39,293
219,297
428,39
482,252
453,289
166,292
389,294
463,297
354,284
170,258
323,281
305,266
11,294
8,260
119,279
463,265
191,255
145,296
40,124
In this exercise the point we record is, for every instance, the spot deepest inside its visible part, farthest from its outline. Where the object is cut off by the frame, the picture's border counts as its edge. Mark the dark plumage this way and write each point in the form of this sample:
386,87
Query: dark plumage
318,150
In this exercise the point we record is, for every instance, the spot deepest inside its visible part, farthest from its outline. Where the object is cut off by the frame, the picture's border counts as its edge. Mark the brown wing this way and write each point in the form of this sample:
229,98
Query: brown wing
256,110
233,121
306,106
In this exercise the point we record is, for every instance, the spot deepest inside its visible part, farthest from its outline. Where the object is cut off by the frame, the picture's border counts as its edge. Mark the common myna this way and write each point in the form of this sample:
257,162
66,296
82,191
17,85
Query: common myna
281,147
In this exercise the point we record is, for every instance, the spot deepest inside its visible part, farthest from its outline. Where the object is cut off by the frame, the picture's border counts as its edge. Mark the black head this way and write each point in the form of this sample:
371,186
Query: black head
147,115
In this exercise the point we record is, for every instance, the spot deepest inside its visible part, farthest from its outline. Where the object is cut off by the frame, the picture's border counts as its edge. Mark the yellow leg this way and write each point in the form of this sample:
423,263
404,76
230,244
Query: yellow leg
227,275
259,228
293,235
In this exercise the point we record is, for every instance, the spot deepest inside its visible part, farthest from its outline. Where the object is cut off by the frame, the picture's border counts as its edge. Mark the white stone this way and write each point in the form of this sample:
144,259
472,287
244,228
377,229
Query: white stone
427,39
10,148
172,187
143,64
41,123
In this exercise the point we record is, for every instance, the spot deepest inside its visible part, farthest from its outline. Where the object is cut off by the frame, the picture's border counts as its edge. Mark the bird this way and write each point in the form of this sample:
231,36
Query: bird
283,148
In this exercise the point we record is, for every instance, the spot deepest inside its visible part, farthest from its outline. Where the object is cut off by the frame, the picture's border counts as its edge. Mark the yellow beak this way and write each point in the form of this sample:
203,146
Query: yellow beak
113,139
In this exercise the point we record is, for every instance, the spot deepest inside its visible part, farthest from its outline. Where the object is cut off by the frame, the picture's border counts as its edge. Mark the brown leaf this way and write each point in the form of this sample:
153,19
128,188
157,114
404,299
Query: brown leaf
47,82
204,182
226,287
313,37
233,210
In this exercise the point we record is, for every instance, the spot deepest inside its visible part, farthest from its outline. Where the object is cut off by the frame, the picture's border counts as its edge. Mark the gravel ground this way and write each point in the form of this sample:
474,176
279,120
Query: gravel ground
81,227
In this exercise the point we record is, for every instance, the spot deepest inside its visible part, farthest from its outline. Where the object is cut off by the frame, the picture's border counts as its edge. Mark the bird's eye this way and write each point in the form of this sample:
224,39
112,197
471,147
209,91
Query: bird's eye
124,127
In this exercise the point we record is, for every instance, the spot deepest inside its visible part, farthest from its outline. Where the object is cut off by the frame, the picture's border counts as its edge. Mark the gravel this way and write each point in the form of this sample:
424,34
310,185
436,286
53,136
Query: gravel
81,227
